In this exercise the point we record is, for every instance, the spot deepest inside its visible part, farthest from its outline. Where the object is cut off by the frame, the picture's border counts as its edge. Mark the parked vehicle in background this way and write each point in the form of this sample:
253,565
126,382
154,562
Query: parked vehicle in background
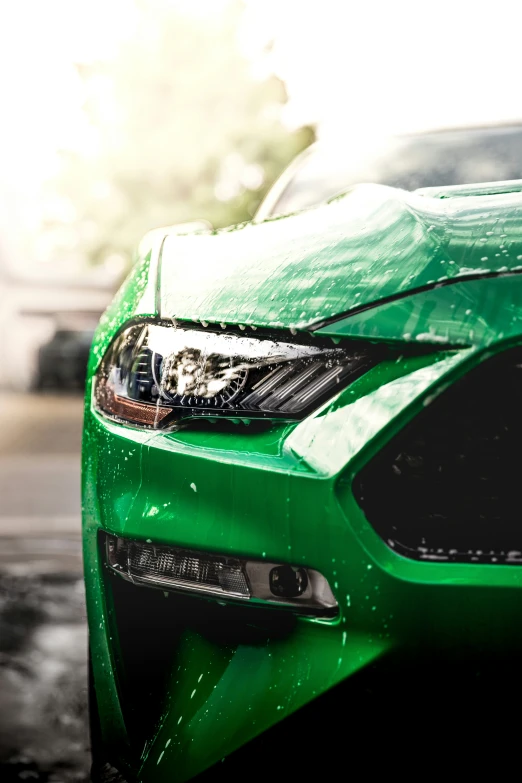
62,362
36,306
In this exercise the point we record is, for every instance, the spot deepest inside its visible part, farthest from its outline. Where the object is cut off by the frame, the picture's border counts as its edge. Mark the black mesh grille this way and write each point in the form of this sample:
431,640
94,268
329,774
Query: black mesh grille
449,486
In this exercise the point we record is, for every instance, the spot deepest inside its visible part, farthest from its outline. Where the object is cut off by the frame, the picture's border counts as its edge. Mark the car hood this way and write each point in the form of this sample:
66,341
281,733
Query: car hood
372,244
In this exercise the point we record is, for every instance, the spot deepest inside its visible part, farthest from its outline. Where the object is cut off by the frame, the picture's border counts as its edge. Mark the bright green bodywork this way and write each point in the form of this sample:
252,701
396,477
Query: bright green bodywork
400,261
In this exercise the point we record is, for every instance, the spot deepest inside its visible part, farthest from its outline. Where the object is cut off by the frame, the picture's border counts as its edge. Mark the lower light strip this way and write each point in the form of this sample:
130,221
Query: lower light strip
303,590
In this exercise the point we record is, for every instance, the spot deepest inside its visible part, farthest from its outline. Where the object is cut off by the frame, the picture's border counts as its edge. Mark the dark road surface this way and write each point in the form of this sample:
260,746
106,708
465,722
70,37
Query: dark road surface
43,637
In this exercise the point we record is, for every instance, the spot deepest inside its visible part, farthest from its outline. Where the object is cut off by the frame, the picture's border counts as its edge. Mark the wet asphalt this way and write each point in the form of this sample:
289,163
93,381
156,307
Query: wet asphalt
43,636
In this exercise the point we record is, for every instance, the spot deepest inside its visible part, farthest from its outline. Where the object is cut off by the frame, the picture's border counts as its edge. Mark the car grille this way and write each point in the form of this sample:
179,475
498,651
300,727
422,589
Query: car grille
449,486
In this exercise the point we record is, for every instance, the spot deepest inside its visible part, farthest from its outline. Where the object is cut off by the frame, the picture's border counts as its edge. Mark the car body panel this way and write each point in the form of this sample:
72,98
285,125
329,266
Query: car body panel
366,246
241,508
285,493
475,312
210,715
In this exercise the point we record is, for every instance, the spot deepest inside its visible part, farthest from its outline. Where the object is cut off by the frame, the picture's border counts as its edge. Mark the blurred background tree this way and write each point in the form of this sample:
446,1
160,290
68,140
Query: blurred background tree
180,129
122,115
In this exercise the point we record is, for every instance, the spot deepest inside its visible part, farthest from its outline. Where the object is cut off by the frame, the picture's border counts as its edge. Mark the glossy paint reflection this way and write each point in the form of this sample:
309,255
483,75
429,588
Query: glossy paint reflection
372,243
477,312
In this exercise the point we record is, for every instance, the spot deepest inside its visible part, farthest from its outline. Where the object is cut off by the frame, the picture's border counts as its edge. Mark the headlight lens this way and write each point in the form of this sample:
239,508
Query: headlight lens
153,374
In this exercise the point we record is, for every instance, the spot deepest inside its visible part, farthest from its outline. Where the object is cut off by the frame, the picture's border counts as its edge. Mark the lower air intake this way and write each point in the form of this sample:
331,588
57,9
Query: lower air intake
448,487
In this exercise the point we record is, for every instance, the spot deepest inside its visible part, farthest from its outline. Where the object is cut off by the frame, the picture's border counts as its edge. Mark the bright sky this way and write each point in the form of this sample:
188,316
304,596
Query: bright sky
377,64
392,65
40,91
365,66
41,99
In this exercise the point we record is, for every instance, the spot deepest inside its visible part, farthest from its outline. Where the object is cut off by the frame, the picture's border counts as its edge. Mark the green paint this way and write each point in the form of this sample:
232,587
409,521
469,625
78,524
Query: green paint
264,494
370,244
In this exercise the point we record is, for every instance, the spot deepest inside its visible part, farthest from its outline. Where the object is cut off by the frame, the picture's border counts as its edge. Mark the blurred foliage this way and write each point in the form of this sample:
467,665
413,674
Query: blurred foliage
181,130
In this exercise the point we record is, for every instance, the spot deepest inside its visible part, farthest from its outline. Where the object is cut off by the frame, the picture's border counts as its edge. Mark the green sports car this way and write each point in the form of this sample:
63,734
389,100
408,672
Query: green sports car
301,465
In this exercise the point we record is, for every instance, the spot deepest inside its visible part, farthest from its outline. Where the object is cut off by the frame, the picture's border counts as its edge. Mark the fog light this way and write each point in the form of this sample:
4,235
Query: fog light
164,566
303,590
288,581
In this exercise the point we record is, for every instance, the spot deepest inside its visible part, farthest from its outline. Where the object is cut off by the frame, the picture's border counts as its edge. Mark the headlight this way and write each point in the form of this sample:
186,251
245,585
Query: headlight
153,374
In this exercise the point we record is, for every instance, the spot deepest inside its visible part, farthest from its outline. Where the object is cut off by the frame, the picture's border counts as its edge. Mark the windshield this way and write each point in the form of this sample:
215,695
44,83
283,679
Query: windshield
430,159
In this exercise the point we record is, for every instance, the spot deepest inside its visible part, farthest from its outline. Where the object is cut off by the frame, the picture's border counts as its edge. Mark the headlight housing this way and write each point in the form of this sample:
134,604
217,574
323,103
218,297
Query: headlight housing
154,373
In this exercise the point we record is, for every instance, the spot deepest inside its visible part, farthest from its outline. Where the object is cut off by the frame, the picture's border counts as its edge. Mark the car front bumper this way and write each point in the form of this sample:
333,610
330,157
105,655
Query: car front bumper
284,494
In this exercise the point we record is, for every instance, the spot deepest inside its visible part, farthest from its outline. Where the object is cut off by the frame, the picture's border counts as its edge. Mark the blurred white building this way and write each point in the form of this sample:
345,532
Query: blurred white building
33,309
